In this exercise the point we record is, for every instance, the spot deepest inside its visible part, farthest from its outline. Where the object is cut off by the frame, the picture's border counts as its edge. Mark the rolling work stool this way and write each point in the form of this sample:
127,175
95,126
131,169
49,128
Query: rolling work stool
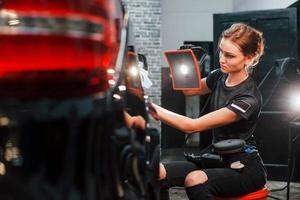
261,194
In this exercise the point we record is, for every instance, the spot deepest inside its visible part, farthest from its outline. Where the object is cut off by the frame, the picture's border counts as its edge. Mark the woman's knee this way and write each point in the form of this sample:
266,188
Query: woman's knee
195,178
162,171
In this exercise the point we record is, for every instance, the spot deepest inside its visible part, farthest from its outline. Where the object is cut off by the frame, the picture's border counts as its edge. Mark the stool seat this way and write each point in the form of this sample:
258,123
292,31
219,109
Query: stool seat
257,195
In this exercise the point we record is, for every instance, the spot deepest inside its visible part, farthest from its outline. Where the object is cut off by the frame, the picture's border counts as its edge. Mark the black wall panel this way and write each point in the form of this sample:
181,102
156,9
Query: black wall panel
174,101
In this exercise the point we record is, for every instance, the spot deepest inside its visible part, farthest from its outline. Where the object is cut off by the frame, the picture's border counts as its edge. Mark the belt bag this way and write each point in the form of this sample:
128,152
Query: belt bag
221,154
230,146
230,150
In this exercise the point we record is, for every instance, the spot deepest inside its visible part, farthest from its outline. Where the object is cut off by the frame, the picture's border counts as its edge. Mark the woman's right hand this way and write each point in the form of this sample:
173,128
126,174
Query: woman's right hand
153,111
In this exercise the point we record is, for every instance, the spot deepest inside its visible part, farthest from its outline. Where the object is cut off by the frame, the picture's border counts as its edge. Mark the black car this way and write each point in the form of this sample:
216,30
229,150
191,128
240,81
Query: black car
73,119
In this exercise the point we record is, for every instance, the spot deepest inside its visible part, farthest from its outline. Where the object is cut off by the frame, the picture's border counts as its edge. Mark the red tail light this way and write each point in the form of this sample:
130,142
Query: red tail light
58,48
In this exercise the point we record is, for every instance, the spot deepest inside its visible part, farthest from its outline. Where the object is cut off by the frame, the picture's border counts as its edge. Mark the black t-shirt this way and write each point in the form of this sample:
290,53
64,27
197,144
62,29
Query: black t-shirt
244,99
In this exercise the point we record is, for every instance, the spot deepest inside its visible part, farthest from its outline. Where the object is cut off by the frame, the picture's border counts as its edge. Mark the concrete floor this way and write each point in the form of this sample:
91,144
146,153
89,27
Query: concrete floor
179,193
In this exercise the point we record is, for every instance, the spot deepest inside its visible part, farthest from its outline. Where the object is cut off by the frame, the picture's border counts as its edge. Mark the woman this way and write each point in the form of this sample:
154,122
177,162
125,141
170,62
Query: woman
235,106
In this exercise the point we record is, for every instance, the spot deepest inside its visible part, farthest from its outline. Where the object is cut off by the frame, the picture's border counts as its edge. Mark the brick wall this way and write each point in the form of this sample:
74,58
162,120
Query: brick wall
145,18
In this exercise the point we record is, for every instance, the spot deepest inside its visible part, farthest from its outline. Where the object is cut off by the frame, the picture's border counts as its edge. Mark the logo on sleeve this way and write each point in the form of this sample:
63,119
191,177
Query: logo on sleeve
241,105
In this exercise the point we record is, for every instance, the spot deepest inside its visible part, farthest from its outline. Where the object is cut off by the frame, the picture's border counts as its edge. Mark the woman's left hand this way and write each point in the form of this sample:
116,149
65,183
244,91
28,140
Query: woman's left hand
134,121
139,122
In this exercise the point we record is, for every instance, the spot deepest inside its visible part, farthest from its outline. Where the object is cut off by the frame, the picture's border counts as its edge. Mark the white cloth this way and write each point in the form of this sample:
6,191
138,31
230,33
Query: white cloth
146,82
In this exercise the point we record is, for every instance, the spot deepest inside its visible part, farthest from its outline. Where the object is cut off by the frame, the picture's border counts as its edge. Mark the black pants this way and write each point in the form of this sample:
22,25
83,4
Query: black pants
223,182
